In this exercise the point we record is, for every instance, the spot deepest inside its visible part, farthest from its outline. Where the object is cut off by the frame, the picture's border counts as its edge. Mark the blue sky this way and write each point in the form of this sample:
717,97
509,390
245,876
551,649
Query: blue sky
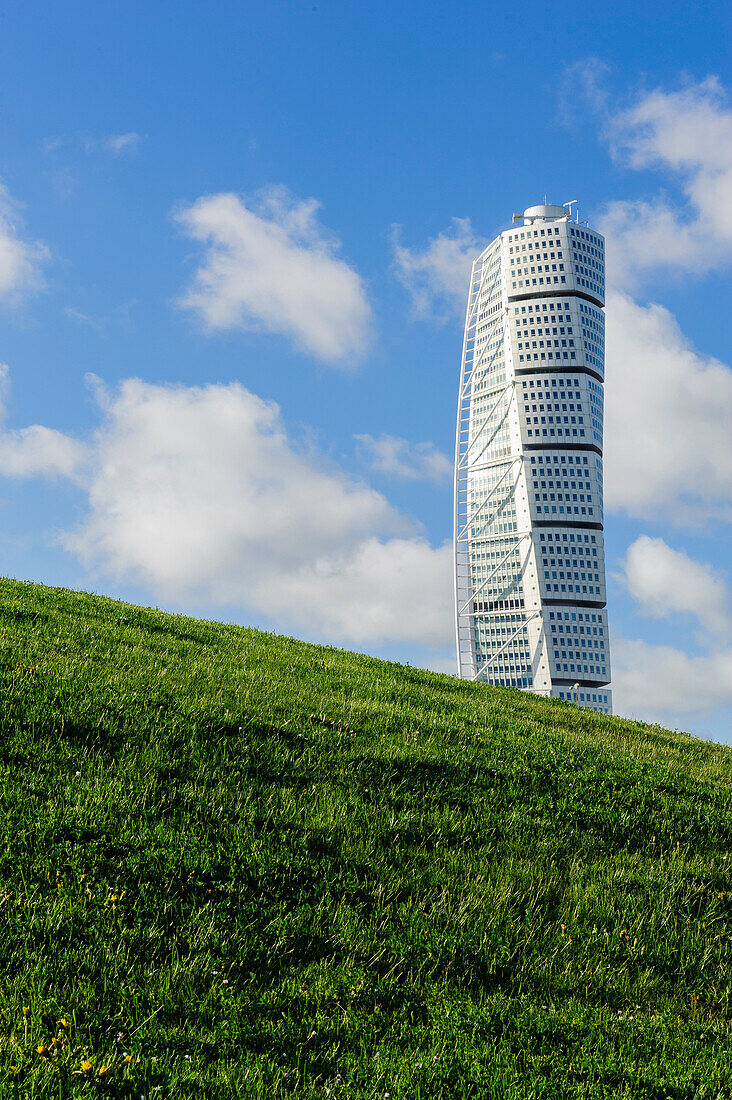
234,244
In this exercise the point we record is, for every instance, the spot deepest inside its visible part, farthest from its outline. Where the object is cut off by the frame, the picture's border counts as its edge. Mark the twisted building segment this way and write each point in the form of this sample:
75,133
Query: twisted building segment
529,556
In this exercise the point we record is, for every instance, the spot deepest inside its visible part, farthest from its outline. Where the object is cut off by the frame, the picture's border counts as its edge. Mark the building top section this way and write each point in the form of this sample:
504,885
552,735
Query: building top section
546,254
543,213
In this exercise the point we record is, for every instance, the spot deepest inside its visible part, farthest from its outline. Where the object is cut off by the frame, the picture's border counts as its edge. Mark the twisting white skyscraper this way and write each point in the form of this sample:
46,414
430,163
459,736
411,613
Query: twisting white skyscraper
529,556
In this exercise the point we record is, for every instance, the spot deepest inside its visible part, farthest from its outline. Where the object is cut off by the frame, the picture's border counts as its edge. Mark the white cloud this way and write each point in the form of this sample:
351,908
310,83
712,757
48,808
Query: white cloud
437,277
116,144
668,411
20,260
391,590
199,495
119,144
668,406
397,457
664,581
37,451
270,266
688,133
445,663
584,79
662,683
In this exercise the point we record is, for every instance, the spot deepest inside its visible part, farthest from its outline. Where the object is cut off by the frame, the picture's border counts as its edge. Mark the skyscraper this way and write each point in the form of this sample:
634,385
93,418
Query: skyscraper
529,555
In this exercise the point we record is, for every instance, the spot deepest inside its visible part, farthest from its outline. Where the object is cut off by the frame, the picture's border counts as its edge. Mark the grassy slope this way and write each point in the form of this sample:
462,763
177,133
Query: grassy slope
331,872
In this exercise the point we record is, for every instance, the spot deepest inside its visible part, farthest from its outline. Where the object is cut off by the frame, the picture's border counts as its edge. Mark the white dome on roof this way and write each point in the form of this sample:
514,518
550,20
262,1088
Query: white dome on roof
546,212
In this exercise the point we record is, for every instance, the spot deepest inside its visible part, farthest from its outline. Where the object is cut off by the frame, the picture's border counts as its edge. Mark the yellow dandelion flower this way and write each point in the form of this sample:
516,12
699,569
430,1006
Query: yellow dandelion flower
86,1066
26,1010
103,1071
14,1069
62,1023
127,1059
114,898
42,1049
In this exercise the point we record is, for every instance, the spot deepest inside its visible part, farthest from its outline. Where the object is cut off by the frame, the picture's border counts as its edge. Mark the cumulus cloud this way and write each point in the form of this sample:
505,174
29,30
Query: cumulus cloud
667,405
37,451
21,260
668,411
388,454
269,265
393,590
437,276
664,581
663,683
687,133
199,495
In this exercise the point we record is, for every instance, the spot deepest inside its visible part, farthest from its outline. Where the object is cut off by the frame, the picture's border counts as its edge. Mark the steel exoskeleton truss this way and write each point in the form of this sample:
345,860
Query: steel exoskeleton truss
471,518
463,587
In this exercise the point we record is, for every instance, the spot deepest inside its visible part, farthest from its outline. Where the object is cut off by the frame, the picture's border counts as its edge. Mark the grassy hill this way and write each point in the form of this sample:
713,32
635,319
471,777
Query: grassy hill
237,865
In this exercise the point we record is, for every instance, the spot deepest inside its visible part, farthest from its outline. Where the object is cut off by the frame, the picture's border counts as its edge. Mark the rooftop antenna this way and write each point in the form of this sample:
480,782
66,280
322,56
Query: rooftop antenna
569,206
545,199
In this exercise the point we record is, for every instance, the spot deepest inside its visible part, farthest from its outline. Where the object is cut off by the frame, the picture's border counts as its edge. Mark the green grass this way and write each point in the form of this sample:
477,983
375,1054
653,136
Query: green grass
258,867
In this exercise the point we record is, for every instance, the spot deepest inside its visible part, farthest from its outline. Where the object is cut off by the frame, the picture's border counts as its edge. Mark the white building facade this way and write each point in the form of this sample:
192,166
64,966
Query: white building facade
529,556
